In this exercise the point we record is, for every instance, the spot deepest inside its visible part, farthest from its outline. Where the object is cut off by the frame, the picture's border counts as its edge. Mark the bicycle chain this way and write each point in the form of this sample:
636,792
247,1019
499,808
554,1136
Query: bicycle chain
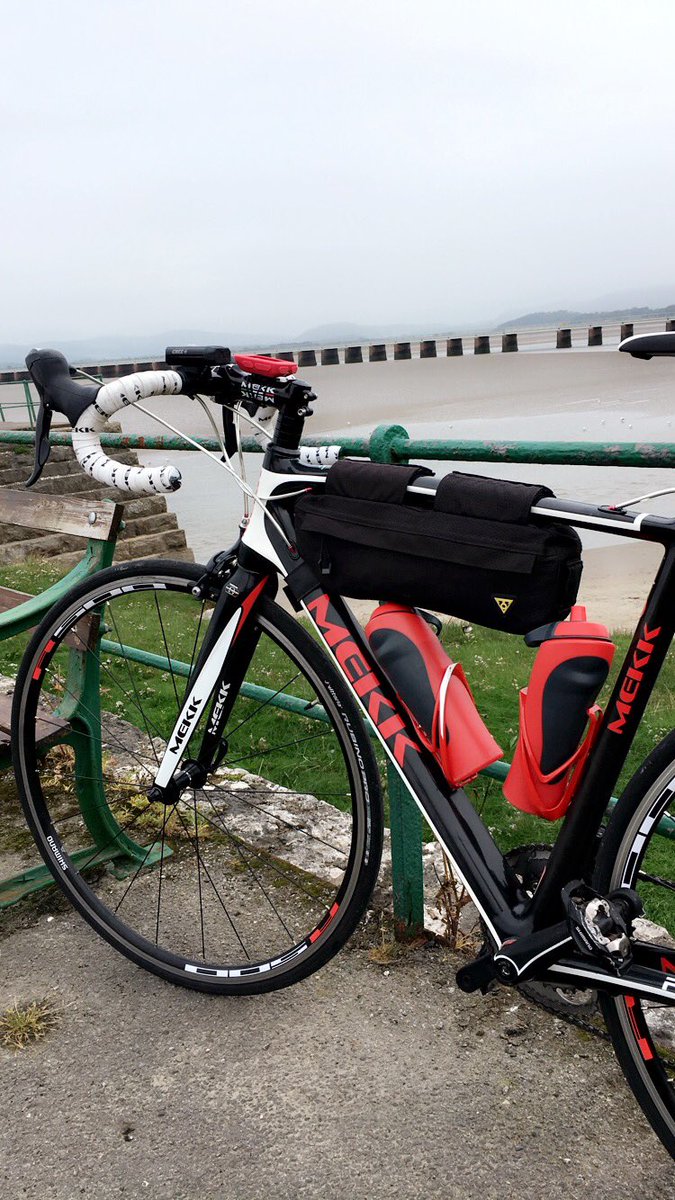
560,1009
543,995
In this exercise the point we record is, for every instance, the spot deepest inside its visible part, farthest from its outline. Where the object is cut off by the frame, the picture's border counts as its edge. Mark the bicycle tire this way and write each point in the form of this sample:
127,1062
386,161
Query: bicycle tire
226,854
633,854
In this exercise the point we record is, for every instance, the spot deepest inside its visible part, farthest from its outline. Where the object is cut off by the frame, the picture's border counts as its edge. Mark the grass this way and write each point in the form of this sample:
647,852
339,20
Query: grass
497,666
24,1023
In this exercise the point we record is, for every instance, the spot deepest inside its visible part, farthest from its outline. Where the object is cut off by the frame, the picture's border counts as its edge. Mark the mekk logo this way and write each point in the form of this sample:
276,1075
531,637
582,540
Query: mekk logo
633,678
365,684
186,724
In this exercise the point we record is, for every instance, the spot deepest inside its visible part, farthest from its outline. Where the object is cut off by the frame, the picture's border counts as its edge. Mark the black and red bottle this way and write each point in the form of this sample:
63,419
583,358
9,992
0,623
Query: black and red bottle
434,691
559,719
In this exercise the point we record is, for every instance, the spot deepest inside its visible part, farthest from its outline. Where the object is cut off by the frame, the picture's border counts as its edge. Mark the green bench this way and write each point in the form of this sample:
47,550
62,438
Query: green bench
97,521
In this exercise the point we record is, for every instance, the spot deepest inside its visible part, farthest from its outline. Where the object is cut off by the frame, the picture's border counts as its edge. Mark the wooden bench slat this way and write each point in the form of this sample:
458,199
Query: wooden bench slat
9,598
61,514
87,627
46,725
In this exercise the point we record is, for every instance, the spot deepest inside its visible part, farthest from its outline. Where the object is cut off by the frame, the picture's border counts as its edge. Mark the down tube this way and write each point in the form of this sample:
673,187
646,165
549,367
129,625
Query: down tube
478,861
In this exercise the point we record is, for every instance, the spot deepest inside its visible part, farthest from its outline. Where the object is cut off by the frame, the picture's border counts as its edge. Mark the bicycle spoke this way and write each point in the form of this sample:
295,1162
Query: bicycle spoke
218,895
139,869
231,762
229,886
234,842
284,687
288,824
199,872
264,858
168,656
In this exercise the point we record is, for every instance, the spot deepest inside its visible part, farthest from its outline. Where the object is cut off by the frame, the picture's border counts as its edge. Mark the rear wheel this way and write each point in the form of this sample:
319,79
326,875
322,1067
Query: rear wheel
245,884
636,853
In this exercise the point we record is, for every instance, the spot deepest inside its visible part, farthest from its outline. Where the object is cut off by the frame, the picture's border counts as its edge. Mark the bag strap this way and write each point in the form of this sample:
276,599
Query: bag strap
372,481
490,499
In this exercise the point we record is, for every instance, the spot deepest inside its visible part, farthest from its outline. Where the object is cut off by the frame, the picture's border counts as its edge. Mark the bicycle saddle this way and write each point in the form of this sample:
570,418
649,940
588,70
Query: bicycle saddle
650,345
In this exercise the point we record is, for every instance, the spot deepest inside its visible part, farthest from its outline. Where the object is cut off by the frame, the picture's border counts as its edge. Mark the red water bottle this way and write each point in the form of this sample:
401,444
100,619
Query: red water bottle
434,691
556,707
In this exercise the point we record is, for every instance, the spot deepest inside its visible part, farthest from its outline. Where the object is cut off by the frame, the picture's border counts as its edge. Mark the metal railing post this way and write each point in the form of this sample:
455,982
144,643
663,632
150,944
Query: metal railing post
29,403
405,822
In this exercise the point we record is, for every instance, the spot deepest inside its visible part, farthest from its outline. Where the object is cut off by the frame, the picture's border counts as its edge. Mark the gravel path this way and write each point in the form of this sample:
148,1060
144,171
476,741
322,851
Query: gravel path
366,1080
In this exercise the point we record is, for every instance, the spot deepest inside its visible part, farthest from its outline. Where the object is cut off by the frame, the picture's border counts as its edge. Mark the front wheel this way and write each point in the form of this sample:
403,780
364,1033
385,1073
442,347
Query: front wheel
247,883
638,851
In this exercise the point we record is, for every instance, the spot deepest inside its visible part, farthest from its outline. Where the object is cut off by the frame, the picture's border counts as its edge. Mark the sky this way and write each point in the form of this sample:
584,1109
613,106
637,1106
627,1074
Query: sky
266,167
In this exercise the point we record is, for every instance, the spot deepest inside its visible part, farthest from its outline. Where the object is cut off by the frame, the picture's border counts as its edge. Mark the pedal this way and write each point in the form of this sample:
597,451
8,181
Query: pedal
602,924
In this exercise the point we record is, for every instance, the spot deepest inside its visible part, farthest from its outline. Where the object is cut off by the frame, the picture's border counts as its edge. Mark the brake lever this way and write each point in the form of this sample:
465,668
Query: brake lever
42,444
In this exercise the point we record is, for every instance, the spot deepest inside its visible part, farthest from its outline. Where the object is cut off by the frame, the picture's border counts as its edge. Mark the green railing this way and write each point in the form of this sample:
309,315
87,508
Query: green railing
393,444
25,406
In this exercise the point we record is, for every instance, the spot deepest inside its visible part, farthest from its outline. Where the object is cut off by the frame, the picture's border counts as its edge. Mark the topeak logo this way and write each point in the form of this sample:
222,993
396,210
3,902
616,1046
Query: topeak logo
184,727
503,603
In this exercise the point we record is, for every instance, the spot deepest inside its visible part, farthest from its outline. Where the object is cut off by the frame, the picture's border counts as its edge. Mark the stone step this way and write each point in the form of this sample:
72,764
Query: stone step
139,506
13,455
153,523
152,545
149,528
49,545
77,484
16,533
10,476
58,547
141,547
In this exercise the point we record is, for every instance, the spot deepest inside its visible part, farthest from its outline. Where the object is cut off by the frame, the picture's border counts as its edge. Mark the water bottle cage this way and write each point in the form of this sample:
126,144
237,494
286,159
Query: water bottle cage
574,765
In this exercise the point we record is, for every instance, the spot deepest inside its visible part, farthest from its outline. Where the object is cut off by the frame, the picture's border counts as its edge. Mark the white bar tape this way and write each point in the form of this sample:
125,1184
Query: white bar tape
319,456
141,481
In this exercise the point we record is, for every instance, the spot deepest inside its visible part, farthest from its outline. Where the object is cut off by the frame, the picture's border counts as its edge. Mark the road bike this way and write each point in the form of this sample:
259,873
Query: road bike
210,797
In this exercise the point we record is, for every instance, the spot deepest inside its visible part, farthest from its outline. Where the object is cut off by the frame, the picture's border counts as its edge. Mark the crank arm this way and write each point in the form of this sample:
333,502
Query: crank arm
645,983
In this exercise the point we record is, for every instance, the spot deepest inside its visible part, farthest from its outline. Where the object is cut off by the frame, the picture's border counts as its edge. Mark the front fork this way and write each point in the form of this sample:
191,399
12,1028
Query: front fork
214,685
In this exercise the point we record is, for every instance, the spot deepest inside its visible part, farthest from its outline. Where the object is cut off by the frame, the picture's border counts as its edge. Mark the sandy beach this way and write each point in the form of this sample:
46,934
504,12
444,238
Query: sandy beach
571,396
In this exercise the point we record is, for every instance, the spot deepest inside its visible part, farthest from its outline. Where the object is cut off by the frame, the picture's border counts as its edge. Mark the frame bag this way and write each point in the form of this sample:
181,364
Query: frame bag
476,554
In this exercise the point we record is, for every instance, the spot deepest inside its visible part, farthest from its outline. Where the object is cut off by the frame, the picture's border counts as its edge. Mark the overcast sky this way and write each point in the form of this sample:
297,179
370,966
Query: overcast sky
269,166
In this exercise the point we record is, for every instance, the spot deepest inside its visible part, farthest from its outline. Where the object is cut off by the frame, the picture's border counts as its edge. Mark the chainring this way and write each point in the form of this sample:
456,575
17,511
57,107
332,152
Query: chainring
575,1004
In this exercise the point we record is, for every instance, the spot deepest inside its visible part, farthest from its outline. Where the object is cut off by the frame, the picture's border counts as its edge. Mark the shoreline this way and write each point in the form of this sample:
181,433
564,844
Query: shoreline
569,395
616,582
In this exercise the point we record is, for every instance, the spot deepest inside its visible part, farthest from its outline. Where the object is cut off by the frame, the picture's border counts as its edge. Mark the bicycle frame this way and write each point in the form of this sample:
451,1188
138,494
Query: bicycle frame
530,936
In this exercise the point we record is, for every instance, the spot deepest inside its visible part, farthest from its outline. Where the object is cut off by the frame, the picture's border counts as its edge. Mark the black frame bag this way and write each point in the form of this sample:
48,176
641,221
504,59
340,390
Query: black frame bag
477,554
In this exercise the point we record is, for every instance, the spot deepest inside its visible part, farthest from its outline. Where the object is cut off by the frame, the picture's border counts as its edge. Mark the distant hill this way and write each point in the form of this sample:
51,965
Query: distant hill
567,317
344,332
120,348
152,346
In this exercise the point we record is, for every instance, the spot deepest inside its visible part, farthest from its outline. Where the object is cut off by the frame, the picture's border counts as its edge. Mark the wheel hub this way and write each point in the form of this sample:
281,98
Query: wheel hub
191,775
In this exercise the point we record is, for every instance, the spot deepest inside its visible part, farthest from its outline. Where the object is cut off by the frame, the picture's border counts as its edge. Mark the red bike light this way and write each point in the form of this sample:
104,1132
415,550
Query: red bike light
271,368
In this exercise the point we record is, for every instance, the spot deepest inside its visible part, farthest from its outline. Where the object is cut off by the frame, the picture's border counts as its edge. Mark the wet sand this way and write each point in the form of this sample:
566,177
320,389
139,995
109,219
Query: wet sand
571,395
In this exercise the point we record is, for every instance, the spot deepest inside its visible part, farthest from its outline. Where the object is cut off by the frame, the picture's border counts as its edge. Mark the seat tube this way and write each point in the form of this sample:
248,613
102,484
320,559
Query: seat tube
573,853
